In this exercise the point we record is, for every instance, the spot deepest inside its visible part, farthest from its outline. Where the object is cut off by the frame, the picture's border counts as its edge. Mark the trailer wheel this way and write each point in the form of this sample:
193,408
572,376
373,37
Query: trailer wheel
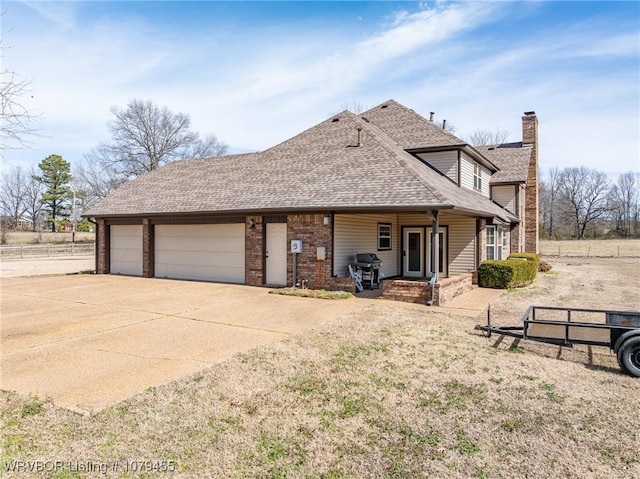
629,356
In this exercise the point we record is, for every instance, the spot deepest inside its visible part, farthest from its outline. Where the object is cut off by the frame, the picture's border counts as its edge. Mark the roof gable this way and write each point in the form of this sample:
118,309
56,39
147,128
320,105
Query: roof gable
512,159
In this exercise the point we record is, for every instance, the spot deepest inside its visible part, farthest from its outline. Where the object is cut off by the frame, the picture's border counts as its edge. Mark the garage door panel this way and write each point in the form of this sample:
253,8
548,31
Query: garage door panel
125,245
195,258
209,245
201,252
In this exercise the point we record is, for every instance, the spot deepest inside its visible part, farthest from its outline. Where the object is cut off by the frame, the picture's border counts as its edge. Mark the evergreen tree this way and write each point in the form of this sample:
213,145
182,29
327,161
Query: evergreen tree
56,176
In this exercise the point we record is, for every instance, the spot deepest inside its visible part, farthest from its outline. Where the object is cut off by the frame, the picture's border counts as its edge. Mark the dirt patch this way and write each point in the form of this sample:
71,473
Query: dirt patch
388,391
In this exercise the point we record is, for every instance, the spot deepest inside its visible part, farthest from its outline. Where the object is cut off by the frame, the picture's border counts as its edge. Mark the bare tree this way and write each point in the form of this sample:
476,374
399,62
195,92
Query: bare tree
13,193
354,106
16,119
586,193
95,181
33,198
487,137
549,201
624,197
145,137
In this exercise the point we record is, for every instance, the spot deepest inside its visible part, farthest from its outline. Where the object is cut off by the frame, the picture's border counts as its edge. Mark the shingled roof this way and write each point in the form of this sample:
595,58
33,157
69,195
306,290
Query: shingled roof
410,130
329,166
512,159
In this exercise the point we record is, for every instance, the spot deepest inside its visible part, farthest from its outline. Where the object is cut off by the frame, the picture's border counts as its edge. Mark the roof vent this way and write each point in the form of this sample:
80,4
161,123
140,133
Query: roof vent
431,113
491,148
384,106
444,124
335,119
365,119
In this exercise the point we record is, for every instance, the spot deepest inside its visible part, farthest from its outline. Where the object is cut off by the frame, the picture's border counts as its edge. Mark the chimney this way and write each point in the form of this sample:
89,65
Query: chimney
431,113
530,139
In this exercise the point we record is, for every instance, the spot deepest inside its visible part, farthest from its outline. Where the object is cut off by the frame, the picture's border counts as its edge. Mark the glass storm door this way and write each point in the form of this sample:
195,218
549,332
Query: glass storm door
413,252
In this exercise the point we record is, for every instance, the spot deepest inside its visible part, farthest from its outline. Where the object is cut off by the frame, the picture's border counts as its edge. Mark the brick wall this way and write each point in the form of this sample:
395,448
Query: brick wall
253,251
310,228
148,262
530,137
449,288
406,290
102,247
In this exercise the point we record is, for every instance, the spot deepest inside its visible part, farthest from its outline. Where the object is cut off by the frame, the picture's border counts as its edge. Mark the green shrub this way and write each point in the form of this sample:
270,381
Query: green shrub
503,274
535,257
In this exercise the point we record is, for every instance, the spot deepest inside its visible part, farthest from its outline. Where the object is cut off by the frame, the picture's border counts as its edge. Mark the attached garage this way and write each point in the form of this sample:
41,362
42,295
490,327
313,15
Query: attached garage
125,253
208,252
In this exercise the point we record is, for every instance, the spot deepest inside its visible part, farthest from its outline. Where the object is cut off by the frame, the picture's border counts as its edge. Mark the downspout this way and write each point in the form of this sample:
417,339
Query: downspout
435,250
95,245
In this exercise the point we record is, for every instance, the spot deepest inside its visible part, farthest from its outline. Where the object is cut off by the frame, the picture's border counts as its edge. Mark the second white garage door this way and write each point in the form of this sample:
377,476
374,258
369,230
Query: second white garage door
201,252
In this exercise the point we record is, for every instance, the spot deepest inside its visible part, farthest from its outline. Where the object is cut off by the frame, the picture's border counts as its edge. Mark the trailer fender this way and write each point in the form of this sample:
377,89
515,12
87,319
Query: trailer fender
623,338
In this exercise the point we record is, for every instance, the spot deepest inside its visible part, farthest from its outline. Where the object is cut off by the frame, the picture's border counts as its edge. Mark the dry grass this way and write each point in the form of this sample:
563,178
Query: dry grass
28,237
393,391
591,248
312,293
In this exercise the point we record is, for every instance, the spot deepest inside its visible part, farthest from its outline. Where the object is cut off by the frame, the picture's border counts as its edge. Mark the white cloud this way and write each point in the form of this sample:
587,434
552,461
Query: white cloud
255,89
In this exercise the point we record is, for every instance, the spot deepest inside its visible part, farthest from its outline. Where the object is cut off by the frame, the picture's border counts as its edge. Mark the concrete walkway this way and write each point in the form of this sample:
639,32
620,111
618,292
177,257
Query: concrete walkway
89,341
472,303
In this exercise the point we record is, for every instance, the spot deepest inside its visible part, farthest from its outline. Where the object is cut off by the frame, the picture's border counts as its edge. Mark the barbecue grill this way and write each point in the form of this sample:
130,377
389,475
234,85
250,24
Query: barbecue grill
368,264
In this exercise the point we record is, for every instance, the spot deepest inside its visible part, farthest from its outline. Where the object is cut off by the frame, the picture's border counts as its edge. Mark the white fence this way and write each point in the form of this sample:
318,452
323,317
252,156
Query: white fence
47,250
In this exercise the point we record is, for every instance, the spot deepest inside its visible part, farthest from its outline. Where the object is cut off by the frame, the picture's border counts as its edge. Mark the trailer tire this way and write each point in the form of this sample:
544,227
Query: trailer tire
629,356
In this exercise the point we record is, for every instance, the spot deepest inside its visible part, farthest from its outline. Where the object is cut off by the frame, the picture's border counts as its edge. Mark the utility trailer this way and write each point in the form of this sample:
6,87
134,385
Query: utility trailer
618,330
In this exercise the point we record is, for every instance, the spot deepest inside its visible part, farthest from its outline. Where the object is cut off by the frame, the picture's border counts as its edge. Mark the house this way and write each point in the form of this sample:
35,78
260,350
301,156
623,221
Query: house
386,181
22,224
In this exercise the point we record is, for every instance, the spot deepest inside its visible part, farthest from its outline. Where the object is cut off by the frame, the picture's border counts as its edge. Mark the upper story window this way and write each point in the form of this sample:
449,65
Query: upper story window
477,176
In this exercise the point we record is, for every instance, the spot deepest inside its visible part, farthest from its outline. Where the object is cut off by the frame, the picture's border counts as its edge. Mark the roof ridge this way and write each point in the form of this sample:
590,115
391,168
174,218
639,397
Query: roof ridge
398,153
432,124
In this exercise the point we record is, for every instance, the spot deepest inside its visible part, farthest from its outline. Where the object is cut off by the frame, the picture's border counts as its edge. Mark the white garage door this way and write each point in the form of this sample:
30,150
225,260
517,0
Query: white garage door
202,252
126,249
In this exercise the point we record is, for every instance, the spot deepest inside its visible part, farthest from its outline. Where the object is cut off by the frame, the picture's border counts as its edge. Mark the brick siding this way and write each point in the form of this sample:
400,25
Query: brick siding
253,251
102,247
310,228
530,136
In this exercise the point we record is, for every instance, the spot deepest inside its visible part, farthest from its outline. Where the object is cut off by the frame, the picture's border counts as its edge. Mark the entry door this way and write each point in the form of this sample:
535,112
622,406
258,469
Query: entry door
414,252
276,254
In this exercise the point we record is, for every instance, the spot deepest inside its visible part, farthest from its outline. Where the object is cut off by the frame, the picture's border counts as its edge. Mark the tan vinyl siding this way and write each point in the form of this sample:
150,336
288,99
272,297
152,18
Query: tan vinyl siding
444,161
461,238
505,196
359,234
466,174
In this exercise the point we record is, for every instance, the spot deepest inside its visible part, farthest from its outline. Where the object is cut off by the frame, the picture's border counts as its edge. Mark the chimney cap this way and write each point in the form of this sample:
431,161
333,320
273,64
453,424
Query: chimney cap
529,113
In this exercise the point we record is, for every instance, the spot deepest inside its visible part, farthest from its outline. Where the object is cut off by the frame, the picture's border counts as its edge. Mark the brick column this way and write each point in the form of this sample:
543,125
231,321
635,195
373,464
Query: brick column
254,234
102,246
530,137
148,248
313,232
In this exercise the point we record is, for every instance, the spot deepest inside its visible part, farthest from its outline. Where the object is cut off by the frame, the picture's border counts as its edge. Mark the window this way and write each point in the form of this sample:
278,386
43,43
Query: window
491,242
477,176
384,236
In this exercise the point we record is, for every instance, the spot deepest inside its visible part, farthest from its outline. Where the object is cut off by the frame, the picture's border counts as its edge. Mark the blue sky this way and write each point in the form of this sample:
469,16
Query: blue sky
257,73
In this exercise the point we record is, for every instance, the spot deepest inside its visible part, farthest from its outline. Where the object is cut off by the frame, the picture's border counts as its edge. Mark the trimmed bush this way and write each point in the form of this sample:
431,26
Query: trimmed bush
503,274
535,257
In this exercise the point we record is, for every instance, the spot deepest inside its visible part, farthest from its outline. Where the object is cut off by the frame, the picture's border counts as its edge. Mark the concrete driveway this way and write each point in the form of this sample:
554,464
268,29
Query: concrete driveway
88,341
